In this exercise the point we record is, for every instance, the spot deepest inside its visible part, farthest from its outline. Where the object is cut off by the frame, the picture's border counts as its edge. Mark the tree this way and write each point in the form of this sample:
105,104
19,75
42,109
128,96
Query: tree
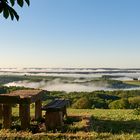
6,6
82,103
120,104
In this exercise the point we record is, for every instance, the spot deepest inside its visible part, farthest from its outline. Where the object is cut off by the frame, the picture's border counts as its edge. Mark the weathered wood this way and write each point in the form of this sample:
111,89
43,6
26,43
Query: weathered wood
24,98
39,96
7,115
55,112
6,99
54,120
56,105
1,111
38,109
24,111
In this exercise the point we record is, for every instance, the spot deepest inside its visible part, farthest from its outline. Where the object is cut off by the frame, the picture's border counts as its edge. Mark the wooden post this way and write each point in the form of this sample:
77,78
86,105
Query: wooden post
1,111
38,111
7,114
24,111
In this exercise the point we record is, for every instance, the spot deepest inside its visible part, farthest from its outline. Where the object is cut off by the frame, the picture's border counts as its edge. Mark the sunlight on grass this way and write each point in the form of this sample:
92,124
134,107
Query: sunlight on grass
132,82
112,114
117,124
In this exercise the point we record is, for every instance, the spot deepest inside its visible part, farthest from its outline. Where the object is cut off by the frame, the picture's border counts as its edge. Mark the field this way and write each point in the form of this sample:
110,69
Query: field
134,82
98,124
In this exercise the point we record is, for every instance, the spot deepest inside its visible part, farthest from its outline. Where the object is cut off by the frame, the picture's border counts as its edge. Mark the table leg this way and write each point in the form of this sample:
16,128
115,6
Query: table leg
7,115
1,111
38,111
24,111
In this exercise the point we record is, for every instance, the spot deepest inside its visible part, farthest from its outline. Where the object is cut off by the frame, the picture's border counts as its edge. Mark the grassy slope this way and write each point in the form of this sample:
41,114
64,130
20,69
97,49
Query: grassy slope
112,124
106,124
137,83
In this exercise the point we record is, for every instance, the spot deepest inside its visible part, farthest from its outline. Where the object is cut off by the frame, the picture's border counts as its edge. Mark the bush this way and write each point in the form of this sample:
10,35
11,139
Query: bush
134,102
82,103
136,111
99,103
119,104
3,90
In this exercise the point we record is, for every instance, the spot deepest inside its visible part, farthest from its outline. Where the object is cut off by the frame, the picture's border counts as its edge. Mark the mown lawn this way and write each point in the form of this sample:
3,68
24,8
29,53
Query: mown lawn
104,124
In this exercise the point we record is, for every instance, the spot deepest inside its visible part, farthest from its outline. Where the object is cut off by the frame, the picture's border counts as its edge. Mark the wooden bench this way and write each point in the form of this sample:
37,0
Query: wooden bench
55,113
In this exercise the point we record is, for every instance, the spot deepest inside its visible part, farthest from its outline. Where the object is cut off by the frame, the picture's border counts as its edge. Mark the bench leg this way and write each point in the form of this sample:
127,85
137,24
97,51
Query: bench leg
38,111
7,116
1,111
24,111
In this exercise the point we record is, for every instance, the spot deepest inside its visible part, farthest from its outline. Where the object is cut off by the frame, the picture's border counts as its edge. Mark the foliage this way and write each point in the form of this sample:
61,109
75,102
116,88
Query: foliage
134,102
119,104
96,99
99,103
82,103
6,6
3,90
136,111
103,99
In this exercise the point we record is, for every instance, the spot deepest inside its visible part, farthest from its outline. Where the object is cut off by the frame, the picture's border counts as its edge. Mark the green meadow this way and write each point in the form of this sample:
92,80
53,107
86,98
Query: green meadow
112,124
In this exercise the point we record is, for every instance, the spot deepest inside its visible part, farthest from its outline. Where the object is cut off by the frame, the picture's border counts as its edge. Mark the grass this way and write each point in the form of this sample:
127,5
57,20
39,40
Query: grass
112,124
104,124
134,82
111,114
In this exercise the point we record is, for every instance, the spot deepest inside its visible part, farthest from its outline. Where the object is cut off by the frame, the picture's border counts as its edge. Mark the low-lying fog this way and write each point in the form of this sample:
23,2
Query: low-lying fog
57,84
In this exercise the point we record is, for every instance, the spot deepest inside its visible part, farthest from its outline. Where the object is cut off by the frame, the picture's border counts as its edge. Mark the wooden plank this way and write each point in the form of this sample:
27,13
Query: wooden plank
1,111
63,103
38,109
53,104
24,111
38,96
5,99
54,120
7,115
24,96
24,93
25,101
56,104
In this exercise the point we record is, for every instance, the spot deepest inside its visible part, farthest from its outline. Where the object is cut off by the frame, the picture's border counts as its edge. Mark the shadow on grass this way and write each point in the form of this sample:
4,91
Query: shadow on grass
115,127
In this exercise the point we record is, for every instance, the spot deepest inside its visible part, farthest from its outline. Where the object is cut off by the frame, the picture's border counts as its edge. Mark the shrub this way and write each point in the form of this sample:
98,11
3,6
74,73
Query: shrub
134,102
3,90
136,111
82,103
99,103
119,104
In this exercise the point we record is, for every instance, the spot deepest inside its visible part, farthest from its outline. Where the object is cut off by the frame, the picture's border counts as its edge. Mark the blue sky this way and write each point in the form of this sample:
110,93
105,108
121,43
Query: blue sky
72,33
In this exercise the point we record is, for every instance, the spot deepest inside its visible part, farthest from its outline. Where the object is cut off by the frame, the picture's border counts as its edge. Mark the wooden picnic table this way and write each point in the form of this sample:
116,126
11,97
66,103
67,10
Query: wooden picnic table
24,98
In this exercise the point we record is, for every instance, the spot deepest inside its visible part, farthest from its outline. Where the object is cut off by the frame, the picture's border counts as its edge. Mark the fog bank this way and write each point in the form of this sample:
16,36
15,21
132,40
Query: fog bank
57,85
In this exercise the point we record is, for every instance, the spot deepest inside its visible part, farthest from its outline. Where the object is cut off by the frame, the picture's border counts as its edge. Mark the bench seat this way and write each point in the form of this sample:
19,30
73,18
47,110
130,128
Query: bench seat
56,104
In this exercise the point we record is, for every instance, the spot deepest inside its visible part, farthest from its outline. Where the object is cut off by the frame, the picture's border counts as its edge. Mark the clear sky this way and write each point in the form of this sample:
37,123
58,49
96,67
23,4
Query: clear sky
72,33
